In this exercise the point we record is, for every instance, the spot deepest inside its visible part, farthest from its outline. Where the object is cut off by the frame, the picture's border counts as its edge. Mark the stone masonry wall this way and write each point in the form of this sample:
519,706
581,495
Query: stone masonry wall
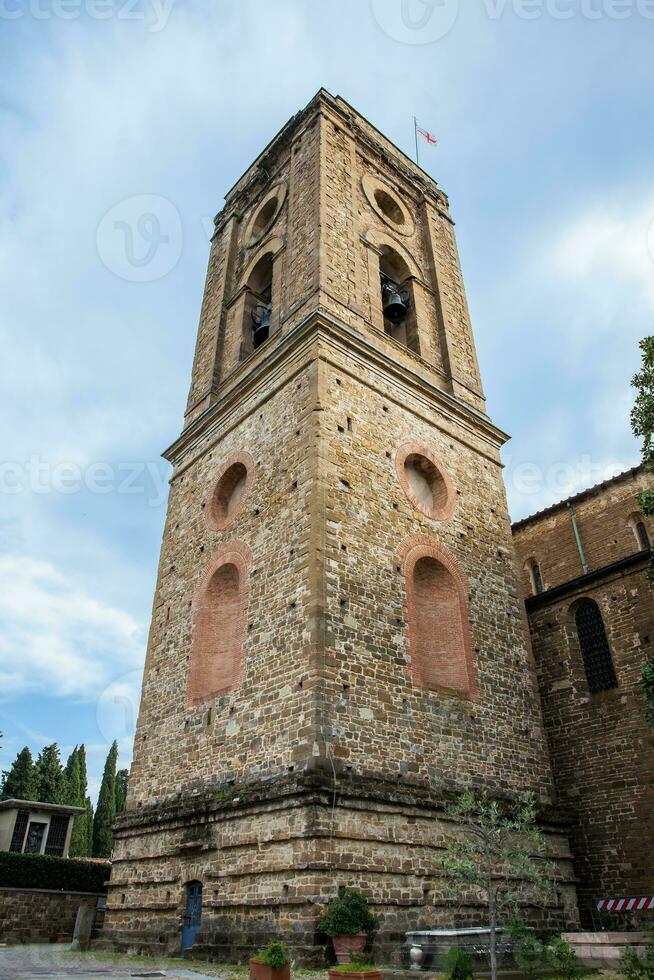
30,915
270,860
497,741
258,725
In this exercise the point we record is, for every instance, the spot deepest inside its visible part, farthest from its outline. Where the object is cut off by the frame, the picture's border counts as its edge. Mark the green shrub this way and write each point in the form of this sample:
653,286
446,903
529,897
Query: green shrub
635,967
647,685
457,964
51,873
353,967
348,915
528,950
274,955
358,963
562,958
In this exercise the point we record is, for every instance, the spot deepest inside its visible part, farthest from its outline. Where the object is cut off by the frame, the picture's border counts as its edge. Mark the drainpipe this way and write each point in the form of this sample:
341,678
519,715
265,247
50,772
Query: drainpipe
575,528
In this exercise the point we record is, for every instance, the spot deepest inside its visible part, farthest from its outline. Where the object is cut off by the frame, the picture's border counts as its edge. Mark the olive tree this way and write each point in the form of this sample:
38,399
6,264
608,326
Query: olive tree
498,852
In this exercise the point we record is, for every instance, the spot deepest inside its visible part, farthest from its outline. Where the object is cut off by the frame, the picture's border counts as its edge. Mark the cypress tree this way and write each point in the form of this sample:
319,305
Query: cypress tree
51,782
76,795
72,787
105,813
19,782
89,817
121,789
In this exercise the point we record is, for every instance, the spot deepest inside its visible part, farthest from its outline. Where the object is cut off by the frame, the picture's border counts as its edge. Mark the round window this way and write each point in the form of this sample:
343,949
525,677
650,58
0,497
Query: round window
425,481
227,496
387,204
391,208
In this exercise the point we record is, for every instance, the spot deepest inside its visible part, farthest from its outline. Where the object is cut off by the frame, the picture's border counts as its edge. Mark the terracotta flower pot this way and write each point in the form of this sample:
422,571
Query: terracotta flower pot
261,971
344,946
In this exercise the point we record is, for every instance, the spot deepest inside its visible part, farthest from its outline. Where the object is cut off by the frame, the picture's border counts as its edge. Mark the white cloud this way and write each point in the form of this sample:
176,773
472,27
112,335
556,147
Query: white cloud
56,638
610,248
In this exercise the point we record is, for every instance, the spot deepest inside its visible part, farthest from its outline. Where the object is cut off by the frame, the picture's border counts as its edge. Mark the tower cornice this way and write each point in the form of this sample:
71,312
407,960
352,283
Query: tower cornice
260,374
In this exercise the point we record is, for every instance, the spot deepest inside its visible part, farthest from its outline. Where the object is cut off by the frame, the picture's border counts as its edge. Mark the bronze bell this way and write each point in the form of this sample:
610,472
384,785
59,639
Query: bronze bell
261,323
396,305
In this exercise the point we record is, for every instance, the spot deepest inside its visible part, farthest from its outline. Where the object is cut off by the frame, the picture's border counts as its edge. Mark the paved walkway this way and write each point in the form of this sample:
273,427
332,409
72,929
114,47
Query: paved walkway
32,962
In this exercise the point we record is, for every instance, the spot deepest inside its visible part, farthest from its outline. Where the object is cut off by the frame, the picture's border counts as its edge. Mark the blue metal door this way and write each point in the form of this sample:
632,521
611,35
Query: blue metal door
193,913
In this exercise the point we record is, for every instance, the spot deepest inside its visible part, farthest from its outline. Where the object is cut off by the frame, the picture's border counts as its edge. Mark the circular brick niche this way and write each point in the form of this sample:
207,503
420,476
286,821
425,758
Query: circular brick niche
387,205
229,491
425,481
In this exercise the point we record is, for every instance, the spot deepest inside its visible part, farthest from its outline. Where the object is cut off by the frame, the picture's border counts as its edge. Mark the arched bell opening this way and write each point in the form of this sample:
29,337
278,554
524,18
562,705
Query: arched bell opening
258,305
397,298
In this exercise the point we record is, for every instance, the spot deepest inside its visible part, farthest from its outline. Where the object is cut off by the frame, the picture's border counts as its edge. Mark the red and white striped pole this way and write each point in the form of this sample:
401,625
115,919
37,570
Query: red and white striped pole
625,904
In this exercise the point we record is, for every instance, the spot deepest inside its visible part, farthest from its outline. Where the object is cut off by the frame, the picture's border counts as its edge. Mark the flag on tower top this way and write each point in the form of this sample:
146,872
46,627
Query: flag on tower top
427,136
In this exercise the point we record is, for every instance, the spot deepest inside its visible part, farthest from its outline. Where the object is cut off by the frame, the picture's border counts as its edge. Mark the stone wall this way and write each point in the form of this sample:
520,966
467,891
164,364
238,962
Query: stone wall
29,915
271,856
601,748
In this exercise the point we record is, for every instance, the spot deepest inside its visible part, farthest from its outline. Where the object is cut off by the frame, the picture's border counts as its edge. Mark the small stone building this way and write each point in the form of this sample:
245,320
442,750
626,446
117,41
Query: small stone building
585,565
36,828
338,640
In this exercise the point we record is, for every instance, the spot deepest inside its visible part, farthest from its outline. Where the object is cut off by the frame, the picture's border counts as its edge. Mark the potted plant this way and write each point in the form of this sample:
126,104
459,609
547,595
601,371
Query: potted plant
272,963
349,922
357,969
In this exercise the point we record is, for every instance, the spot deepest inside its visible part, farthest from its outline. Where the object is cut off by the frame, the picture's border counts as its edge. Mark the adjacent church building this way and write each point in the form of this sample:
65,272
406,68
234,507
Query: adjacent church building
339,642
586,578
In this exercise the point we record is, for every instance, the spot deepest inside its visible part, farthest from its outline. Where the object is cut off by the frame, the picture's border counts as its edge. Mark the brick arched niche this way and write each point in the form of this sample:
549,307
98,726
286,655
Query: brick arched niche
440,646
425,480
219,626
229,491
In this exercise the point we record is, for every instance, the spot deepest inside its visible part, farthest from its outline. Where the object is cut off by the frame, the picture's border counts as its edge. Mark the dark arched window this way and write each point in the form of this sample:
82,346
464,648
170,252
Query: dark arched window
537,578
594,645
643,536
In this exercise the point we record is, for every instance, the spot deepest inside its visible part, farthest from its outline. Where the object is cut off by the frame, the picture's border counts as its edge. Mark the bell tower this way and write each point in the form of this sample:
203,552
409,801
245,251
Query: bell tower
337,641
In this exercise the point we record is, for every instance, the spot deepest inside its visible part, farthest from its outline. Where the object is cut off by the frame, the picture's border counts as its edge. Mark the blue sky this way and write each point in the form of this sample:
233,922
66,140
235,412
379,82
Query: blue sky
110,110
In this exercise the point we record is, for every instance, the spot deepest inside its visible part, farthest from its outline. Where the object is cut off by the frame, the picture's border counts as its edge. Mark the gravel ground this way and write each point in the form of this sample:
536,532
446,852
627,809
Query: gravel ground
31,962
